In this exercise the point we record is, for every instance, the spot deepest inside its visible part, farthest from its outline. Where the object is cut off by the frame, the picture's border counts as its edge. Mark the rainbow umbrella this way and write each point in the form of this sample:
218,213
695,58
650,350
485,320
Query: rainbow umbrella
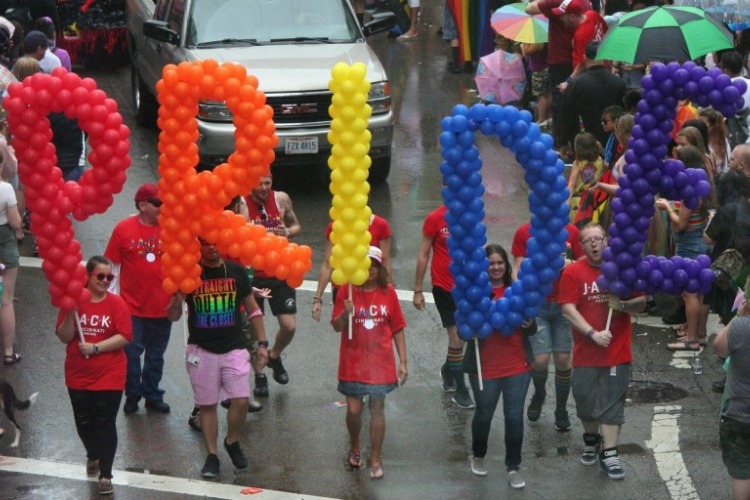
511,21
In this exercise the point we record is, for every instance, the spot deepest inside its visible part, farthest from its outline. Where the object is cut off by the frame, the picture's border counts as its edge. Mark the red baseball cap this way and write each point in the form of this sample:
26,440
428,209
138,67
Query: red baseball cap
147,192
574,7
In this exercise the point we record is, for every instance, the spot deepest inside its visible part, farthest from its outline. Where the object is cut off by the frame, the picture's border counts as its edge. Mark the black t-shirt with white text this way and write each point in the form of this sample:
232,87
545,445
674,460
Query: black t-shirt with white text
214,320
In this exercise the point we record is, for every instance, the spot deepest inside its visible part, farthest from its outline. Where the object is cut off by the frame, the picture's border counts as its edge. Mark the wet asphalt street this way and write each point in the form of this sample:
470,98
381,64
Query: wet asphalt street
298,443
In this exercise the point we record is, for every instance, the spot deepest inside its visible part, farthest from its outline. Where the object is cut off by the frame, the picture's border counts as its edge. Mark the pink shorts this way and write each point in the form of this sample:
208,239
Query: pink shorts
217,375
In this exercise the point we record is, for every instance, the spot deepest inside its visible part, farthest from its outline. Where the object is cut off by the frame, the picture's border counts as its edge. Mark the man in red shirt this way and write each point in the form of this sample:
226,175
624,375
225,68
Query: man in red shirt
586,25
135,250
273,210
434,239
601,355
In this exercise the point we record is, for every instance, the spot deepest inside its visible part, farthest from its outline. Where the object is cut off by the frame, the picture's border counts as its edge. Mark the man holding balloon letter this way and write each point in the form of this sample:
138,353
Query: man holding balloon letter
273,210
601,352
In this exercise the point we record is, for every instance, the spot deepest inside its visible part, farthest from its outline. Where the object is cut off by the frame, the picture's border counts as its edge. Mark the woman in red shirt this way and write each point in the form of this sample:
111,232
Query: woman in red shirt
95,368
367,366
505,370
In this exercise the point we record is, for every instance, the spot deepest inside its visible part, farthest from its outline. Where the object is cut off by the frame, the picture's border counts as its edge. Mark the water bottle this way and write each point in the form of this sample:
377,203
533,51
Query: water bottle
697,365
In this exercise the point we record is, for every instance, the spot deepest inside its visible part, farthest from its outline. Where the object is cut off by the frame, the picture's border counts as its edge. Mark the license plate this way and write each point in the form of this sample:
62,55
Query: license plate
301,145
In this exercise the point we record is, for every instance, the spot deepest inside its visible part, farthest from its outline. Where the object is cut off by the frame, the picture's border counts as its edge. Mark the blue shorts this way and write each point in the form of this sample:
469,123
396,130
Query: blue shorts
553,333
359,389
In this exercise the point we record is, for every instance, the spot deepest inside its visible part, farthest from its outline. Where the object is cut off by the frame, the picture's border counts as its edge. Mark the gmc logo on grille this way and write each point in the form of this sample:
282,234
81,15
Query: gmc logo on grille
299,109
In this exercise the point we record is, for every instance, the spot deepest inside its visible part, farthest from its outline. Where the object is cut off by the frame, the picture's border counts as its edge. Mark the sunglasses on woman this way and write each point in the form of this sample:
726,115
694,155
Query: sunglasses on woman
103,276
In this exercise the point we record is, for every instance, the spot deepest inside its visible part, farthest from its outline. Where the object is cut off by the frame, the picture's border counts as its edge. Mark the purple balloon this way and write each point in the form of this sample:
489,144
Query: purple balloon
706,277
716,98
643,269
680,277
666,88
609,270
659,72
680,77
668,286
730,94
691,89
696,73
740,85
655,278
628,276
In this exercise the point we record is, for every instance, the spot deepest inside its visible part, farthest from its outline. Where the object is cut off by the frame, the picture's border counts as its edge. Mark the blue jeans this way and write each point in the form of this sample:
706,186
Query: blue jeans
514,391
152,336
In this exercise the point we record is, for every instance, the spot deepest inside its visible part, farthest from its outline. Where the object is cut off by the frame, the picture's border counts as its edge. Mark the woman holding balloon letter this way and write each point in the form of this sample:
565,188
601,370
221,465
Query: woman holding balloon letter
95,367
367,366
506,370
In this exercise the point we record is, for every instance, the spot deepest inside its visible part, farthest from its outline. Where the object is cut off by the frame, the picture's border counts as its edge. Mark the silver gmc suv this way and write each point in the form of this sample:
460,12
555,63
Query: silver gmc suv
289,45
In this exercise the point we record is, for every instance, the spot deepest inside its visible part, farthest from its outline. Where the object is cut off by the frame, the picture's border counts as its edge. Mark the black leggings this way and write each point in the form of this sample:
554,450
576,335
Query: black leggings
95,413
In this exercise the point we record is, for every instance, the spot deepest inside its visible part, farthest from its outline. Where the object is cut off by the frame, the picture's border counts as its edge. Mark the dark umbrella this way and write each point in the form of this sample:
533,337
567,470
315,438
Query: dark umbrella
664,34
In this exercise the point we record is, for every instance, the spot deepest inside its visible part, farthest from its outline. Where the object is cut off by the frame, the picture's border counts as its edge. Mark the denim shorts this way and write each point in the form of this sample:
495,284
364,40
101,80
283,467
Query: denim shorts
553,333
359,389
8,247
689,244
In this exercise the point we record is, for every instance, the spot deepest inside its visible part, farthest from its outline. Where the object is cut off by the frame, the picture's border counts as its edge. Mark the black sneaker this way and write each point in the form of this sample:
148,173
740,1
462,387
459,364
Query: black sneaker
194,420
158,406
462,399
239,460
226,404
449,383
534,411
131,405
562,422
279,373
261,386
211,467
609,460
591,443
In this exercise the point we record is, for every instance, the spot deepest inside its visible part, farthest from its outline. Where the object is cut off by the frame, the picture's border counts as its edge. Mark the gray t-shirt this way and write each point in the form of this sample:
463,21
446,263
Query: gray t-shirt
737,393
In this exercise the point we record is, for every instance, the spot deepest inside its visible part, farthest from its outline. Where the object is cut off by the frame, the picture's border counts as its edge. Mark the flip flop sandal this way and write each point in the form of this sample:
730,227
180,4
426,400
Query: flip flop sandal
355,459
12,359
376,472
685,345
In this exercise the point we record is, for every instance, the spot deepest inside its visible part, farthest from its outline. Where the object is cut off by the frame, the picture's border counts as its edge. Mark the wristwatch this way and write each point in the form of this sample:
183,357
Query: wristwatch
263,343
96,348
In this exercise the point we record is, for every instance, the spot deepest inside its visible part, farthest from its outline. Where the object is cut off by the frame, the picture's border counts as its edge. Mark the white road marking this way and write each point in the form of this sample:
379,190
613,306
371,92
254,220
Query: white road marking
665,443
142,481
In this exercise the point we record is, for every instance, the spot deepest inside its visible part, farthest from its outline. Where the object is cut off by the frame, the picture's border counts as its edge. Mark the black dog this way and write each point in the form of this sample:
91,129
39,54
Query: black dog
9,403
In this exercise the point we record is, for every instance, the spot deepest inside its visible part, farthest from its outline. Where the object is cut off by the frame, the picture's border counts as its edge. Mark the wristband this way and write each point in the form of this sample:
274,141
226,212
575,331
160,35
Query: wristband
418,291
591,333
317,299
568,79
262,343
96,348
255,313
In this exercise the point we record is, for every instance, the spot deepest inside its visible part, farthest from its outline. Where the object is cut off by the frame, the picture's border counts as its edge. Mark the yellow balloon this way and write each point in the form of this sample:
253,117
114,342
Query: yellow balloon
358,126
348,113
361,225
368,210
348,164
359,150
348,240
359,176
364,163
334,86
348,216
334,189
337,176
338,151
339,277
333,163
358,100
338,226
339,203
334,137
334,112
348,88
346,138
360,276
364,239
358,201
348,189
360,252
340,71
357,72
338,125
338,100
366,112
364,87
349,265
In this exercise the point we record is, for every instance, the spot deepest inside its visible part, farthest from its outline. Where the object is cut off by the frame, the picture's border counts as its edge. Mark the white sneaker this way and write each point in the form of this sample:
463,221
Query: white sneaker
478,467
516,480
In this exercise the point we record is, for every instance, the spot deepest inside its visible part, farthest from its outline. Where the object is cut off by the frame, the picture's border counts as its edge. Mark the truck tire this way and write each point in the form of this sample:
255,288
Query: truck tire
144,103
379,170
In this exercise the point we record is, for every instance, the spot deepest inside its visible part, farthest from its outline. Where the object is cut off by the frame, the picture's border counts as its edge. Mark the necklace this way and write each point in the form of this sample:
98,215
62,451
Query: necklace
150,245
203,269
365,312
